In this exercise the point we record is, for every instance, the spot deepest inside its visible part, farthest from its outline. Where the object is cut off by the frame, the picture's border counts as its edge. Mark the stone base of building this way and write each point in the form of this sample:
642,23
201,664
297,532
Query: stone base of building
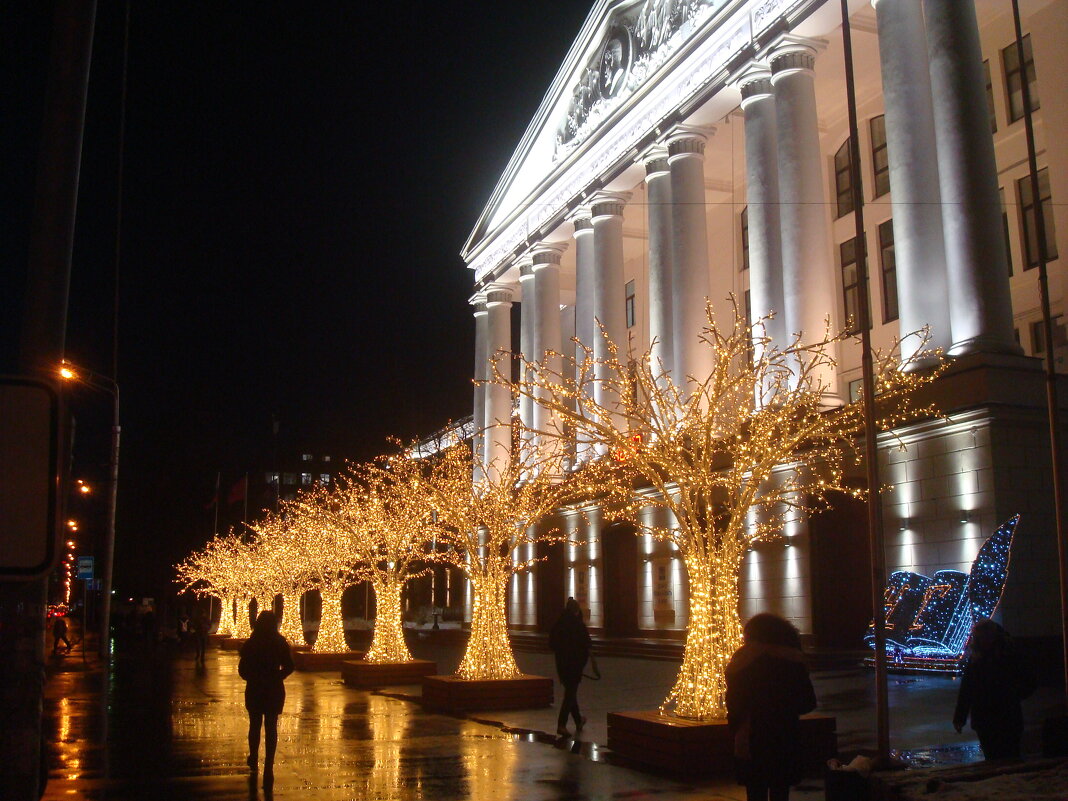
232,643
311,661
453,694
696,748
366,675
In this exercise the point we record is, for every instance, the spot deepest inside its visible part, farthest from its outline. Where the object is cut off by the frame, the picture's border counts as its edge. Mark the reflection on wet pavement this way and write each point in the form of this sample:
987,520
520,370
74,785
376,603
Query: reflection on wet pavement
179,732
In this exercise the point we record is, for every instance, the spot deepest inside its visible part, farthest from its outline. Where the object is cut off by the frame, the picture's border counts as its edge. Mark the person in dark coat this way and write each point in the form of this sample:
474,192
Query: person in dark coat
265,662
570,643
201,624
59,632
768,689
996,678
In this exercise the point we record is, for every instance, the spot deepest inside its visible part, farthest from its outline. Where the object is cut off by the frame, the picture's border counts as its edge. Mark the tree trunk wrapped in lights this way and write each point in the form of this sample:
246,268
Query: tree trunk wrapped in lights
731,456
387,643
486,523
220,570
242,624
226,616
292,627
331,637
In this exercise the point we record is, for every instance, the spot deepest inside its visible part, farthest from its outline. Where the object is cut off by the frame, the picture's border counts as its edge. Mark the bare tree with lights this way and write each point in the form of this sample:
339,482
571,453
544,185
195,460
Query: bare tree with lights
214,571
730,456
274,553
486,524
378,510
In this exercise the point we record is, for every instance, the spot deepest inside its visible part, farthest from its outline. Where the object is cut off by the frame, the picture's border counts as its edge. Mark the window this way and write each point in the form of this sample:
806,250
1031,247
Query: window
1027,208
843,179
289,478
879,157
630,303
271,479
850,284
990,97
856,389
305,457
305,479
889,269
1005,229
326,458
745,239
1038,335
1014,77
324,479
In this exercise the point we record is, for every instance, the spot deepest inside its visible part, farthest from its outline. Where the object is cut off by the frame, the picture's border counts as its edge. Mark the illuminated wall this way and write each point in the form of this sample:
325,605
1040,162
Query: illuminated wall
582,577
662,588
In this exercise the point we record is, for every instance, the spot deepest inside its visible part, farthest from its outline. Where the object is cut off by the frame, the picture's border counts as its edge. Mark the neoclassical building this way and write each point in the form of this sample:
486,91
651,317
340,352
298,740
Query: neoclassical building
693,149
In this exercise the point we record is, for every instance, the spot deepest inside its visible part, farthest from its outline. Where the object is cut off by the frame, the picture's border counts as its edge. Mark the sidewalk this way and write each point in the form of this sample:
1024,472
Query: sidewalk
178,732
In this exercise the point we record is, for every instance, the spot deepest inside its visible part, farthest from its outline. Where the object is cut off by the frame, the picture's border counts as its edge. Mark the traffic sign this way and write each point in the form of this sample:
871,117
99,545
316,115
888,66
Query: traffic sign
85,567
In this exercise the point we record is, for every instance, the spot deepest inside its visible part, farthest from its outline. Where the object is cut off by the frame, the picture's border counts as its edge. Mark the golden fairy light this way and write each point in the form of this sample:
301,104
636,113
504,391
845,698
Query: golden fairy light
731,456
217,570
485,523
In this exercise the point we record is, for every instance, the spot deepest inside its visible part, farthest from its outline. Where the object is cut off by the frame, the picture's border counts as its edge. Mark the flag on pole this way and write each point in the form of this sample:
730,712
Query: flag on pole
239,491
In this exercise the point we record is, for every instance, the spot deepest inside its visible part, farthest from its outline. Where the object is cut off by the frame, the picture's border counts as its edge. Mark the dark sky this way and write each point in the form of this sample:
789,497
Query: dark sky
299,180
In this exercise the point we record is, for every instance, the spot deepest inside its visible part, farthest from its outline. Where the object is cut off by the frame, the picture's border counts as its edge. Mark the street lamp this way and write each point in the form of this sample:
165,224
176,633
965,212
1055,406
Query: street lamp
68,372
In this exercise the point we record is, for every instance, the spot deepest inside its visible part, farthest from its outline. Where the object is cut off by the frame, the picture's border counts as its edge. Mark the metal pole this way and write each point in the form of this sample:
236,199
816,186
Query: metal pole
871,451
1051,368
109,537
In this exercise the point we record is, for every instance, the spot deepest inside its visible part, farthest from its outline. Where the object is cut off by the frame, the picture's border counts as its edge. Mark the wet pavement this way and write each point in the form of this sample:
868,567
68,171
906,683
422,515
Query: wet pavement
176,731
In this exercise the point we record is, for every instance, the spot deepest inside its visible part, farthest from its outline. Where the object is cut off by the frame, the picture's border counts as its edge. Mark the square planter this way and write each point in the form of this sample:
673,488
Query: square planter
703,748
365,675
453,694
311,661
217,639
233,643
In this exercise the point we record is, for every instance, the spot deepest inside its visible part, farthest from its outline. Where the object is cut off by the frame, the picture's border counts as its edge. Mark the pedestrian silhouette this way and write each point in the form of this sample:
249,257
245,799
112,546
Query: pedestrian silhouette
570,642
265,662
59,632
996,678
768,689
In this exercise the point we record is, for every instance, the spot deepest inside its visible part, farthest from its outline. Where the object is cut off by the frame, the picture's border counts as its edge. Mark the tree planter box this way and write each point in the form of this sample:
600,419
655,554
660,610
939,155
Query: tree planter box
452,694
311,661
696,749
364,675
217,639
233,643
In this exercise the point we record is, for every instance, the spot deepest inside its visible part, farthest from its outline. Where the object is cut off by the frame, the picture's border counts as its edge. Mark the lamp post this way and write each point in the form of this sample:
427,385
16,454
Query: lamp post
69,372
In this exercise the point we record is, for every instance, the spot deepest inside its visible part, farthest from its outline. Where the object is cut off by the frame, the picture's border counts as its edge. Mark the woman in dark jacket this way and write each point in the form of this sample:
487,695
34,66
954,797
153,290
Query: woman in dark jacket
265,662
768,689
996,678
571,644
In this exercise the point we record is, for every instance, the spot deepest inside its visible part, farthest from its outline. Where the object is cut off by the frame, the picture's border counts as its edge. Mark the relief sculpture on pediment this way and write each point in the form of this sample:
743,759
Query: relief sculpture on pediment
637,41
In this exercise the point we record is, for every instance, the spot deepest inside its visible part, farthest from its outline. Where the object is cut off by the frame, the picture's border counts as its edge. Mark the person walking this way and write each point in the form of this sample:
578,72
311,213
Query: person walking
59,632
996,679
265,662
768,689
570,643
201,624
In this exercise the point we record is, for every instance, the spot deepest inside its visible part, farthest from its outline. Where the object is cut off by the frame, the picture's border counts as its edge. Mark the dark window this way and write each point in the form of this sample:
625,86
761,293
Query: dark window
1005,229
1030,231
990,97
889,269
1014,77
745,238
1038,335
843,179
850,284
289,478
879,159
630,304
271,479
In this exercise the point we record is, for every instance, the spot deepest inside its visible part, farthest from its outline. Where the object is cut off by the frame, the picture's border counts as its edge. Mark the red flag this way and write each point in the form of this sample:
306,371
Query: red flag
238,491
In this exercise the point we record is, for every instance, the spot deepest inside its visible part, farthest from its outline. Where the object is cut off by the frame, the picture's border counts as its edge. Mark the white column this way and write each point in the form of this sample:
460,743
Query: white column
690,279
527,351
478,444
916,199
584,282
658,200
980,307
762,199
609,300
808,285
546,265
498,398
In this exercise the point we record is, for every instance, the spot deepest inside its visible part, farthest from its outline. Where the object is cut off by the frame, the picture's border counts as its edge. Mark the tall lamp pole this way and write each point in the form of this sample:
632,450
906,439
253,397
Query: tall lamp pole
68,372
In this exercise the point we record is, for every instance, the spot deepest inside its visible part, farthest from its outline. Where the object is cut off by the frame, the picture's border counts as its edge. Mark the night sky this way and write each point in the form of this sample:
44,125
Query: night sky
299,180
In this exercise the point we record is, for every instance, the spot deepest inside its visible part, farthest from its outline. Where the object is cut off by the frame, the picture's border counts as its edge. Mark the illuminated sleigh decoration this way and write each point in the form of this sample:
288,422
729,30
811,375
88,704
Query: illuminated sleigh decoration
929,619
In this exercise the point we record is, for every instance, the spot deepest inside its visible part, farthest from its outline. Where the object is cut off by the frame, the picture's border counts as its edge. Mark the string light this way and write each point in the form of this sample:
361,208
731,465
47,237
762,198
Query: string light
929,619
732,457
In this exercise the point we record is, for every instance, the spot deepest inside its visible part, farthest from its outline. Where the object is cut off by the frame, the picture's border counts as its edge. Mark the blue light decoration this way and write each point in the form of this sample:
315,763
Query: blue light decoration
929,620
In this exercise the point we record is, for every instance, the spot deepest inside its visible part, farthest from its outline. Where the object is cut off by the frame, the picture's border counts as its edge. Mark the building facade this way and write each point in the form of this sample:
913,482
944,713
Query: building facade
693,149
